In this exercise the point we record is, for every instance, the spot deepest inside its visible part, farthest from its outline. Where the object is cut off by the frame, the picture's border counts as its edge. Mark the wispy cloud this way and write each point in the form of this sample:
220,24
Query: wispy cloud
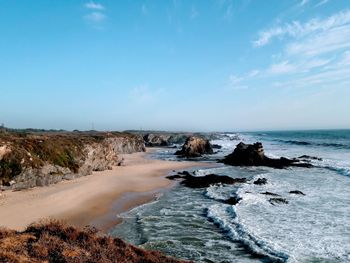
309,54
95,17
322,2
297,29
282,68
227,8
96,14
94,6
303,2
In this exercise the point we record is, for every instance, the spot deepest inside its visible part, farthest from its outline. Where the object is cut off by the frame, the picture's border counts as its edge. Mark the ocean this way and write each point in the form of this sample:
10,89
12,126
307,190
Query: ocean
195,224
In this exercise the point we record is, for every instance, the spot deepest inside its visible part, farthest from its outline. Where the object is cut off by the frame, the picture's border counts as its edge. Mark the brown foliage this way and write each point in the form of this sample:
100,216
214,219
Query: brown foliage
53,241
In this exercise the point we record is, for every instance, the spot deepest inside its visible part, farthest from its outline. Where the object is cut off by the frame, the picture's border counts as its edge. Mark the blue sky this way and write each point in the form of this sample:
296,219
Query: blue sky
175,65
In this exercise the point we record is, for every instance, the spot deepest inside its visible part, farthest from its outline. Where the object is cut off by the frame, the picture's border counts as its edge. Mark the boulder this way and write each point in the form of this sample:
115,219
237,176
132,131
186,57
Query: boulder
253,155
233,200
204,181
195,147
269,193
260,181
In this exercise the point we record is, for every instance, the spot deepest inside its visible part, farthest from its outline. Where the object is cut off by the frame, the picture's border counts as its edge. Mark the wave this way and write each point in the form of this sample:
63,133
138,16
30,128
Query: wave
226,218
342,170
305,143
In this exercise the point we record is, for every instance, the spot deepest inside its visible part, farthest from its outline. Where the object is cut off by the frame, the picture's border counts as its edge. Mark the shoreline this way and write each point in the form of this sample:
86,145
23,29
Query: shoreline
95,199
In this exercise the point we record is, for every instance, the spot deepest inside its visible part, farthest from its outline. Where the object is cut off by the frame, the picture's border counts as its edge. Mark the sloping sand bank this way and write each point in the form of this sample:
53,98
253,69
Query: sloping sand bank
94,199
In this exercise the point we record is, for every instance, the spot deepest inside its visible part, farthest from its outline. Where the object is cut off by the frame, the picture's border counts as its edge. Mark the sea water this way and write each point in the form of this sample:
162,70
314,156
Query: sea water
195,224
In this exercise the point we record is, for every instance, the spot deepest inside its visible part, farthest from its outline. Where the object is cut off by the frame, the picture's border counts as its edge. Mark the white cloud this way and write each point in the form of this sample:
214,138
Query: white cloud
253,73
96,17
281,68
94,6
322,2
303,2
297,29
346,58
328,41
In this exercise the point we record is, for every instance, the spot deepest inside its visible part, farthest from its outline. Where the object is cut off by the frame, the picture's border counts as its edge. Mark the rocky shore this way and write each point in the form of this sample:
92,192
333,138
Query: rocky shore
29,159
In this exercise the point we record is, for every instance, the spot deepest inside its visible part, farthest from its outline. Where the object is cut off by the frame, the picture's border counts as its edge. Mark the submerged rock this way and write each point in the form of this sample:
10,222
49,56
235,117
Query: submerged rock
253,155
195,147
275,201
216,146
269,193
260,181
296,192
310,157
233,200
207,180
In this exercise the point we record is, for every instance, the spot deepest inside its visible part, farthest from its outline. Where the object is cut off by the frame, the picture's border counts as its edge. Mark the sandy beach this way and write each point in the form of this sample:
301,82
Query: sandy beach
95,199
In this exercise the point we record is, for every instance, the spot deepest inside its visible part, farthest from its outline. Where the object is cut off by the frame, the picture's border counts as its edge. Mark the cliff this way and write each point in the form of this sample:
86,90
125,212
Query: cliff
29,159
56,242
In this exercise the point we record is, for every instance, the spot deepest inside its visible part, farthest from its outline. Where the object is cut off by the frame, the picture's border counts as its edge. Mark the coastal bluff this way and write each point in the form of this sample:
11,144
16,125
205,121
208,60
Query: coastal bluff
29,159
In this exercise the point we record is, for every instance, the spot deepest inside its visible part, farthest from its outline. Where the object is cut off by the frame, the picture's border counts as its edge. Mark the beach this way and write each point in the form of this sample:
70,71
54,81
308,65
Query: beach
94,199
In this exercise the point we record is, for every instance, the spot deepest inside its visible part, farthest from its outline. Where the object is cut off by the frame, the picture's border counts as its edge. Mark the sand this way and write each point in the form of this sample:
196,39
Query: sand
96,199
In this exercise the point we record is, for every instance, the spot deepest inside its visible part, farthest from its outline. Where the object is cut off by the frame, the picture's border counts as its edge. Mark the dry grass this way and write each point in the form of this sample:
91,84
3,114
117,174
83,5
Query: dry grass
53,241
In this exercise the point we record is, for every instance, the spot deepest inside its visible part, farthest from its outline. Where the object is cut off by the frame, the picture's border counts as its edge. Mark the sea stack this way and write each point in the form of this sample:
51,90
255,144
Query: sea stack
195,147
253,155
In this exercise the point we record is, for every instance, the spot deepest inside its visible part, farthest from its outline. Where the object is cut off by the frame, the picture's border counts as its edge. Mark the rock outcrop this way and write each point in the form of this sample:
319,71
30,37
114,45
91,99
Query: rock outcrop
205,181
29,160
253,155
195,147
164,139
260,181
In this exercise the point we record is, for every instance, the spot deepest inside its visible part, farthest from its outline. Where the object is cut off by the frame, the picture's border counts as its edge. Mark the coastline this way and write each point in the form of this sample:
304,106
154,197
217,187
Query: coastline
95,199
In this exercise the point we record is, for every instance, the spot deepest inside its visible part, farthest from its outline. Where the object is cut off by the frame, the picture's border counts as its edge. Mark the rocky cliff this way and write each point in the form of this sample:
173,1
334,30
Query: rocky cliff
39,159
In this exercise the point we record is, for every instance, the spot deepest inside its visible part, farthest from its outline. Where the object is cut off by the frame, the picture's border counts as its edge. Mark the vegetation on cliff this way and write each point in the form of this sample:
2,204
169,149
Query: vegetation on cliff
20,150
54,241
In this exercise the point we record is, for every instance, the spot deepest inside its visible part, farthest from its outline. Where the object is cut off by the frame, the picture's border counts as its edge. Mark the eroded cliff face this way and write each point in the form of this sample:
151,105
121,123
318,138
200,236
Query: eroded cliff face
29,160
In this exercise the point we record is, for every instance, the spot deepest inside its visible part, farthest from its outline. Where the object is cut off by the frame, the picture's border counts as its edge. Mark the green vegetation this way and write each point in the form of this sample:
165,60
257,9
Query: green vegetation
34,149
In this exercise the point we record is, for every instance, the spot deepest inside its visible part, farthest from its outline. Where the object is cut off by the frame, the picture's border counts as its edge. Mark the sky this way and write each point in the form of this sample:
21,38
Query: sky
190,65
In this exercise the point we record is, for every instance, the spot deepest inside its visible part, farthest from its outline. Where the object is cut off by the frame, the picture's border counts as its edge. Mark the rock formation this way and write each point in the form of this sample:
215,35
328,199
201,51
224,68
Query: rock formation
29,160
205,181
195,147
253,155
164,139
